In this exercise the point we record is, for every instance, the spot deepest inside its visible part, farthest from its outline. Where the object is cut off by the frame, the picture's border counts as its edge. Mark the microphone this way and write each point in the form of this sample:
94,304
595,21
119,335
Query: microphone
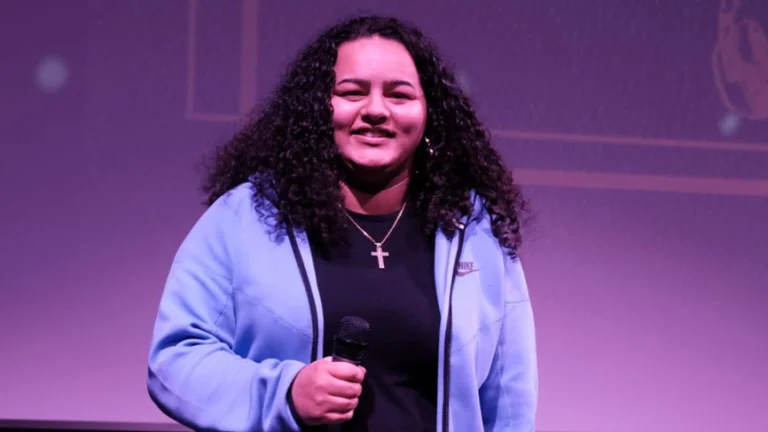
351,341
349,346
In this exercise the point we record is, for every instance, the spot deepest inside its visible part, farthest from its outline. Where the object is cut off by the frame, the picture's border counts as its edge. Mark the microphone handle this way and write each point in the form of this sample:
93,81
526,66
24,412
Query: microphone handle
348,351
336,358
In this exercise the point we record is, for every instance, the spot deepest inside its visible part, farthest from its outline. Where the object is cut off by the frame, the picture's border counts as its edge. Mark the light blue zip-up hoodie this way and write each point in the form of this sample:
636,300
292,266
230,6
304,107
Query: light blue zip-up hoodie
240,316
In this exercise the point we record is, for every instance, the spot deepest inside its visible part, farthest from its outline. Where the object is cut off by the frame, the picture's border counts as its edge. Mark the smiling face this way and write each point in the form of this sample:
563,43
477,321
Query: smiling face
379,108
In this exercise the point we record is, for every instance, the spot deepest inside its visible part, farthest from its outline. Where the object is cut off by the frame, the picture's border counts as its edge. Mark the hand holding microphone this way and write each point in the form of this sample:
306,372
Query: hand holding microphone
327,391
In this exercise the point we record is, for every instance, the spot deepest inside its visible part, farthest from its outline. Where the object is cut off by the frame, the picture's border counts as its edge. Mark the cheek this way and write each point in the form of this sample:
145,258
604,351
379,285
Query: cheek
412,119
344,114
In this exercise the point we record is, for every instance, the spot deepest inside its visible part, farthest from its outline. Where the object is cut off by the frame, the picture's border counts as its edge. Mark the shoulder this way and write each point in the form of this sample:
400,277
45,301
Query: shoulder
228,220
228,213
488,249
235,200
480,222
239,204
479,240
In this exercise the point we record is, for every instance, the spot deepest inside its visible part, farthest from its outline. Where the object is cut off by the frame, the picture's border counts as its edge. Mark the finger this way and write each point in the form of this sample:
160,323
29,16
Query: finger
336,418
344,389
346,371
340,405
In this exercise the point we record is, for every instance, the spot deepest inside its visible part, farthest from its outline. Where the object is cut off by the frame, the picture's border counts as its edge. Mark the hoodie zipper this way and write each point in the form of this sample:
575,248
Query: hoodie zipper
448,331
308,289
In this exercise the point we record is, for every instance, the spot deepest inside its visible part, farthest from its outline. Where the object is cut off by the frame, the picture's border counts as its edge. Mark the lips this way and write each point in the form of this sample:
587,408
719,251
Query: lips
374,132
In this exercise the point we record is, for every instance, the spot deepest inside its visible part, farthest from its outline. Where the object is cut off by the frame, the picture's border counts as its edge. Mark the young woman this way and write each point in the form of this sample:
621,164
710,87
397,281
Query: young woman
365,187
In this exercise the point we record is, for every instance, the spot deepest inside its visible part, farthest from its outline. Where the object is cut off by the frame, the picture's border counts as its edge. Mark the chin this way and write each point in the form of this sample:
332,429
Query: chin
372,165
371,158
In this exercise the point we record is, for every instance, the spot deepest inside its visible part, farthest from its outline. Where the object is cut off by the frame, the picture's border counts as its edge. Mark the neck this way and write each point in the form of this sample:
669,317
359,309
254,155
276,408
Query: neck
382,201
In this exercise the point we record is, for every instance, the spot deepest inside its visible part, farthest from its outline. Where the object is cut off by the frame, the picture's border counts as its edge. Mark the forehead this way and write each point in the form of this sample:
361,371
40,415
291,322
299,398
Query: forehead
375,58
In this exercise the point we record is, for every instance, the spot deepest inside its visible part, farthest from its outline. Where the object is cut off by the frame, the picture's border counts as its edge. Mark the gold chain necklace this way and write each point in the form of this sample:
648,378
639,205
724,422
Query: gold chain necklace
379,253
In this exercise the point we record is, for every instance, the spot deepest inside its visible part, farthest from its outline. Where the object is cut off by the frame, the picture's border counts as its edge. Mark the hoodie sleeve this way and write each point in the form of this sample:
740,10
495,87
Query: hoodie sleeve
509,396
194,376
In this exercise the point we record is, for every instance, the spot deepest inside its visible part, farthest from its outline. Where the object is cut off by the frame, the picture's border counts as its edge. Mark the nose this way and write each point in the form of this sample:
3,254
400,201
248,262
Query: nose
375,110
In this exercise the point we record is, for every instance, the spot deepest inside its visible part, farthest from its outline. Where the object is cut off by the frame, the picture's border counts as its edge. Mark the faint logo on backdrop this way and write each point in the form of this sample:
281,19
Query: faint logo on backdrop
740,62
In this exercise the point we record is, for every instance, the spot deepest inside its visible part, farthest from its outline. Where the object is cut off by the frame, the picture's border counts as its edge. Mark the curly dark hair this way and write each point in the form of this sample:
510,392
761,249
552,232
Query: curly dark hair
286,149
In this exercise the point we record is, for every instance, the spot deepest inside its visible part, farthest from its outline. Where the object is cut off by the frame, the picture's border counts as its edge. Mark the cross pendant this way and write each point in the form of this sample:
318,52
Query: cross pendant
380,254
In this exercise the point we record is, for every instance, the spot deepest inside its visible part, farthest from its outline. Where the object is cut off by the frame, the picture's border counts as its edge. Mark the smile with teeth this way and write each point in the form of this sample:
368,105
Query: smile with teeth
373,133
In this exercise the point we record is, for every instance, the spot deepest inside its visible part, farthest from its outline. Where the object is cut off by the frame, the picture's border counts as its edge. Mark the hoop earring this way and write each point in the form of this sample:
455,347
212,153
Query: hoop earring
430,150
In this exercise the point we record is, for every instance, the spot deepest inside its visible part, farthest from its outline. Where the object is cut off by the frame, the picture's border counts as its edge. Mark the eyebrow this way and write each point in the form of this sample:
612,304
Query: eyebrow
360,82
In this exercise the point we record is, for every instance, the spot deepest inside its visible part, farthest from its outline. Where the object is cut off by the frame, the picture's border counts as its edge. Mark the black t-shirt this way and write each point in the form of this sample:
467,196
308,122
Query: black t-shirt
400,303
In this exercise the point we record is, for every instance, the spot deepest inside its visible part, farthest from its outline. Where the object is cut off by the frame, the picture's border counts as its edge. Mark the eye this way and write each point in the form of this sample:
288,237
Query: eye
353,94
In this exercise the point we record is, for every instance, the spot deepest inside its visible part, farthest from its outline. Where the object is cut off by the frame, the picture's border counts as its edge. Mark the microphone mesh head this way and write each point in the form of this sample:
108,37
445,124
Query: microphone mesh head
354,329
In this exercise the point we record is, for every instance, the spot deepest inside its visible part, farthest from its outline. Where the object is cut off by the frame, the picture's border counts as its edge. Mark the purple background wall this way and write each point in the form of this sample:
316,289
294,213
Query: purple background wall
639,129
